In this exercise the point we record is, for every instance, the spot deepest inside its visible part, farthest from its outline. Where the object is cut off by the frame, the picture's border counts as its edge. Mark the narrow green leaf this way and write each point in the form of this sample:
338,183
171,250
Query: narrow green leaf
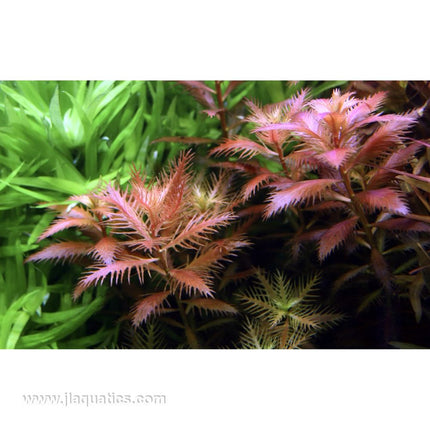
27,303
58,317
60,332
55,111
7,180
30,108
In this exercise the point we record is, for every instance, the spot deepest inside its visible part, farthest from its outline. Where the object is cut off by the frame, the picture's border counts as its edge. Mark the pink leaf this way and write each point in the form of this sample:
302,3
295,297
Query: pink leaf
255,183
335,236
125,216
215,252
287,126
201,92
336,157
383,174
150,305
337,103
245,148
231,86
301,191
211,305
366,107
189,280
303,158
383,141
198,230
403,224
106,249
174,188
61,251
197,84
383,199
65,223
116,271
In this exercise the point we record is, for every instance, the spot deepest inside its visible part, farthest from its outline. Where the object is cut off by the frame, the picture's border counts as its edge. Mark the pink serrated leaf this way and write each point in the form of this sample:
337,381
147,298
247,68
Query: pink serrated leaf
288,126
106,249
201,92
174,188
312,189
366,107
381,175
198,230
303,158
335,236
255,183
190,281
150,305
66,223
116,271
336,157
61,251
383,141
211,305
403,224
211,256
124,216
383,199
242,147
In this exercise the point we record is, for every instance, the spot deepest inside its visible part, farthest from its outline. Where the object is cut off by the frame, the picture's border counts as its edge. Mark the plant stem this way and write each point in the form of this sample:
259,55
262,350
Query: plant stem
389,329
281,158
221,107
189,333
358,209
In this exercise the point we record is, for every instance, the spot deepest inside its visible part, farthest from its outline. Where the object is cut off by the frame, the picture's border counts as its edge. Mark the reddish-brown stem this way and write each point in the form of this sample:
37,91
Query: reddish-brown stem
281,158
189,332
221,107
389,330
358,208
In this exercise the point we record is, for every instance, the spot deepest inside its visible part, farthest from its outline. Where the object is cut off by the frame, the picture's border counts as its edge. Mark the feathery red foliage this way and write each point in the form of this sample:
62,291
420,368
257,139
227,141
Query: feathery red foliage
165,227
150,305
336,153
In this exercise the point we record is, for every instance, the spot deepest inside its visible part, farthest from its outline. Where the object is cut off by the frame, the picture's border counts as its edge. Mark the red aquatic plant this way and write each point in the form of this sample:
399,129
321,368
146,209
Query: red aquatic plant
168,227
335,155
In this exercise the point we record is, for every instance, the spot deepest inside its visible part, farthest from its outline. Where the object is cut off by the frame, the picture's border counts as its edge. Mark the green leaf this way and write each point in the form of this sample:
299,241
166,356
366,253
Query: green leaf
17,316
29,107
12,250
55,111
63,186
118,143
60,332
4,183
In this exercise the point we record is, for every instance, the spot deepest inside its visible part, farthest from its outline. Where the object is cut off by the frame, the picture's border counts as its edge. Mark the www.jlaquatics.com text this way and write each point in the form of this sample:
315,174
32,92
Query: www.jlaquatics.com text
70,399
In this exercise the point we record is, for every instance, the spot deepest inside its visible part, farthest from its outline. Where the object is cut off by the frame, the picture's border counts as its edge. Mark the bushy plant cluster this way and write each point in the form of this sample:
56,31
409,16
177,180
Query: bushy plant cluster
205,215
